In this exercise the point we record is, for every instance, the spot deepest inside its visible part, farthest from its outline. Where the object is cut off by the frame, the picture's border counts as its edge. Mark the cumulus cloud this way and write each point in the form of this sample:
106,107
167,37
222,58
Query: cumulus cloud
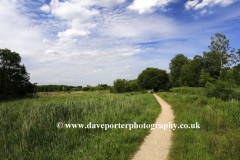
72,10
78,14
45,8
143,6
223,3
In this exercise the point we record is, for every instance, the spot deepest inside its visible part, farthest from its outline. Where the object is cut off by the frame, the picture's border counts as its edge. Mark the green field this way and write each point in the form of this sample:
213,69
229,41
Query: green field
29,131
28,126
219,133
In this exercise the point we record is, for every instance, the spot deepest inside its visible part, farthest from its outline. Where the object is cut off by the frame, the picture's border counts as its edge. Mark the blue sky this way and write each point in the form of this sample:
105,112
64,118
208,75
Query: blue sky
87,42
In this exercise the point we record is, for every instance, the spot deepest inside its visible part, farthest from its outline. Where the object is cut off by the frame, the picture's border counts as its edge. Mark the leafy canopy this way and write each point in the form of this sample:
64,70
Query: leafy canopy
154,78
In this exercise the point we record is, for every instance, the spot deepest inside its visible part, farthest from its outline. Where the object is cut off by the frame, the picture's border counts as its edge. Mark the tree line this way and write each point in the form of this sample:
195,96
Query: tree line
210,67
66,88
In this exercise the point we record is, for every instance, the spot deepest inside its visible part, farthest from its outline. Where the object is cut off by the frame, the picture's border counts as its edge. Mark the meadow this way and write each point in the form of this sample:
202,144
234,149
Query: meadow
29,131
219,133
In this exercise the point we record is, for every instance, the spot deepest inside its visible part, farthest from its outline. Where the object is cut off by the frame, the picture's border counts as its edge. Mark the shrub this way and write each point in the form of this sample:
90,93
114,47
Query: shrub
75,89
221,89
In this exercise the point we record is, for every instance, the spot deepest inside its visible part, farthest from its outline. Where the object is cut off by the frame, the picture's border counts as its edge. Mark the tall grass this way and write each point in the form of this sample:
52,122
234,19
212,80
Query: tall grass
28,126
219,133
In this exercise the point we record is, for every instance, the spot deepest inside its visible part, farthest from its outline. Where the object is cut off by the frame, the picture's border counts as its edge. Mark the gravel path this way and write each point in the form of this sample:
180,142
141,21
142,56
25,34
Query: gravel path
157,144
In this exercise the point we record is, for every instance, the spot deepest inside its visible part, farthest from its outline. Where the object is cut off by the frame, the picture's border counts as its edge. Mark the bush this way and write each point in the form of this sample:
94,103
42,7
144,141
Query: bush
221,89
75,89
86,88
111,89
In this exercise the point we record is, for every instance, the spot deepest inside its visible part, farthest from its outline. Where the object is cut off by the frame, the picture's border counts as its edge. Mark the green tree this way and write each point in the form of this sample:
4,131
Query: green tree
190,73
14,78
230,75
195,67
119,85
175,66
153,78
212,63
220,45
204,78
134,85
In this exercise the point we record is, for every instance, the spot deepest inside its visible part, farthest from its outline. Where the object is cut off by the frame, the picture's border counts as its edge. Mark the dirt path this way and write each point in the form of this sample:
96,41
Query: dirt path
157,144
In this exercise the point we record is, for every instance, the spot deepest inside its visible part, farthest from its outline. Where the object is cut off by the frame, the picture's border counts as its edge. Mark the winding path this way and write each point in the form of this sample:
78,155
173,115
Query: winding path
157,144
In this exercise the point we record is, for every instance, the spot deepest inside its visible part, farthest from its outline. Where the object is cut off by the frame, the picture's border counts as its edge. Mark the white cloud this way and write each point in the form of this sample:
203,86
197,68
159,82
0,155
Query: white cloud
143,6
78,14
203,11
127,66
18,31
72,33
143,27
99,70
190,4
45,8
107,3
72,10
45,40
210,3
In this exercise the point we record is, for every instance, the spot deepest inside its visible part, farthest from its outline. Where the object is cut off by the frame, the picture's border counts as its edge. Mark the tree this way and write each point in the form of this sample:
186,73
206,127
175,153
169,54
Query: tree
212,63
184,75
204,78
220,45
134,85
230,75
190,73
154,78
119,85
14,78
175,66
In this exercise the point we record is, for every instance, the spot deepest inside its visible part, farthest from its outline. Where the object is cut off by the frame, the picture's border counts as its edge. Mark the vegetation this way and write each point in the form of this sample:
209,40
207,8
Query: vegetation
153,78
175,66
122,85
59,88
220,45
218,136
207,68
14,79
28,127
55,88
29,131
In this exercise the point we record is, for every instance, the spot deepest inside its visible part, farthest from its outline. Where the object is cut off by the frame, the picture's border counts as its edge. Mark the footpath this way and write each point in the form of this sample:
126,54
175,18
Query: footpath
157,144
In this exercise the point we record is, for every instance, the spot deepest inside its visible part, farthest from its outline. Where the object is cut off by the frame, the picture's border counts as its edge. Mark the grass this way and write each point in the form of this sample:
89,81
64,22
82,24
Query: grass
219,133
28,126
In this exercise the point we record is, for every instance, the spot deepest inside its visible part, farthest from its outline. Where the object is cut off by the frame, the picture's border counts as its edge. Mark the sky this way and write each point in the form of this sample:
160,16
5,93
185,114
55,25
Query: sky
91,42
